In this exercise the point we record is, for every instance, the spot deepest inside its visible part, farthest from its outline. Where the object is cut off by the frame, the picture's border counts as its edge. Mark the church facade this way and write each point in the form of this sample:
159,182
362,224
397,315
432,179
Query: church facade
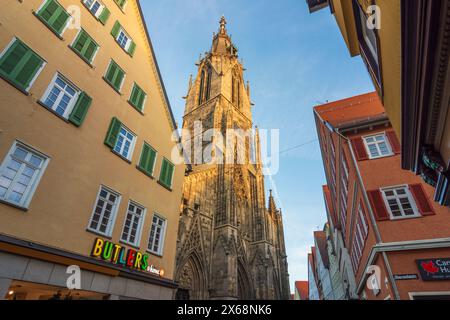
230,244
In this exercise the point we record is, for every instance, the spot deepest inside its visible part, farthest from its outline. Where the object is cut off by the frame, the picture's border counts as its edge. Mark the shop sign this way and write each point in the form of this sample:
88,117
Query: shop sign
122,256
406,276
434,269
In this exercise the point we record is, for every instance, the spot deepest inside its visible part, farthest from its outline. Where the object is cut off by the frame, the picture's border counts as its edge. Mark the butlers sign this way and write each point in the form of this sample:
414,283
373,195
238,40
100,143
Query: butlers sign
434,269
122,256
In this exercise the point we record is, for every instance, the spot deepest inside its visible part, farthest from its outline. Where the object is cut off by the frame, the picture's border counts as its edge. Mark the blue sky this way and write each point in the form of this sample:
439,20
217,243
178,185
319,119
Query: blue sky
294,61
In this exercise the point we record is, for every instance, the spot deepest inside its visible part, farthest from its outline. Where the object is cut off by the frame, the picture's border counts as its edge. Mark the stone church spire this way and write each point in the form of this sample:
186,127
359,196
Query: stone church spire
222,43
228,246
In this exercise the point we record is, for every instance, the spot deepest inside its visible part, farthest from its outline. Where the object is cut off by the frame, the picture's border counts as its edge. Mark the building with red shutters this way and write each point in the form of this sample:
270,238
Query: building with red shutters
392,241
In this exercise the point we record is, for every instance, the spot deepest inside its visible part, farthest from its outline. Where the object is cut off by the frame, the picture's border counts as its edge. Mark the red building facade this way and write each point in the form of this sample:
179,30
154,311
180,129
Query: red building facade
395,237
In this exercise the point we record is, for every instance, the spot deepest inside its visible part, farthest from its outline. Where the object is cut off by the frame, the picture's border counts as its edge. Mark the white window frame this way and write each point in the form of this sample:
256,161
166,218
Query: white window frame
89,7
386,140
140,226
410,198
34,182
132,145
162,238
112,220
73,101
129,39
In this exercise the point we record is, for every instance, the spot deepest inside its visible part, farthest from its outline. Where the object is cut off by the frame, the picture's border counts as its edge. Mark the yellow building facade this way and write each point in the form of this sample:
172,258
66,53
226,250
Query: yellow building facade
86,176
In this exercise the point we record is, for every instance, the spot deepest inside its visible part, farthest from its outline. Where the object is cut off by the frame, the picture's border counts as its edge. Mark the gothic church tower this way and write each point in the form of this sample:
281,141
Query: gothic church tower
230,245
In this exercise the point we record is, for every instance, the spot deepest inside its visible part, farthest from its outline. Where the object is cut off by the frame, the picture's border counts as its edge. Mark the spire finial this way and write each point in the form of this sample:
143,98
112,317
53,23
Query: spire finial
223,23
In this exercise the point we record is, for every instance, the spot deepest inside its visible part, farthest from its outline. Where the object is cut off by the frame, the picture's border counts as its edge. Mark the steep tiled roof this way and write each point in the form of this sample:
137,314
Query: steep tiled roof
358,108
302,288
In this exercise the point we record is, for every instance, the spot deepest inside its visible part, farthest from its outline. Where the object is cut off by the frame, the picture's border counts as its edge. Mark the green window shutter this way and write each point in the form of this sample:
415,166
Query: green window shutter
118,80
85,46
163,173
148,158
113,133
115,30
104,16
20,64
121,3
80,110
12,57
137,97
111,71
166,174
54,15
115,75
60,21
132,48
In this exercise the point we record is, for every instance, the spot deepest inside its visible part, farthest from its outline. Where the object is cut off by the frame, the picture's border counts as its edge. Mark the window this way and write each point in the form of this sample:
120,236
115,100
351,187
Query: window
120,139
137,98
368,40
359,237
400,202
125,143
377,146
166,174
148,159
121,3
20,173
156,240
54,16
85,46
132,227
60,96
123,39
98,10
20,65
66,100
115,76
105,210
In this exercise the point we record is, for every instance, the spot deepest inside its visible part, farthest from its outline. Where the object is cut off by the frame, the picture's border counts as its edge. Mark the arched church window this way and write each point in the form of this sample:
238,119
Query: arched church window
202,84
208,84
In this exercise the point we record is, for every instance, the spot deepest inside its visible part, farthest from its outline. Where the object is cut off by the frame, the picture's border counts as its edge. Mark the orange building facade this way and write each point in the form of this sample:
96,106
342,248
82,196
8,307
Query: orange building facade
392,240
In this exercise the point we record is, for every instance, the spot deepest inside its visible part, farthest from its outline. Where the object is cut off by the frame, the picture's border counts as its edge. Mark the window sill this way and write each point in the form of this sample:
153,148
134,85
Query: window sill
99,234
405,218
144,172
114,88
124,50
121,156
134,246
39,102
164,186
82,58
14,205
25,92
135,108
154,253
381,157
48,27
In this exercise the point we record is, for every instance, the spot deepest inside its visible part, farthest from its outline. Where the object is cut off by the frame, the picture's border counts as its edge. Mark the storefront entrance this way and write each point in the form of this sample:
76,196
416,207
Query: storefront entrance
21,290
